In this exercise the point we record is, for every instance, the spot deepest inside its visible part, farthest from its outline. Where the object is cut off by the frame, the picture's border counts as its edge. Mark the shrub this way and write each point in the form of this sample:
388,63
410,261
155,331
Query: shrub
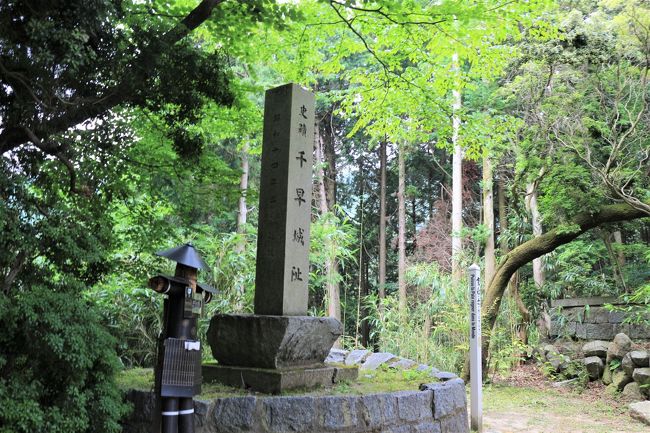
133,315
435,330
57,365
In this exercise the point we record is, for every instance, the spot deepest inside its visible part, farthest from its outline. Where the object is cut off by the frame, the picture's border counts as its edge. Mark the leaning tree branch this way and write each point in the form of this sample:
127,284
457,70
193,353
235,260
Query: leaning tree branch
121,93
349,24
14,269
388,16
55,150
20,80
537,247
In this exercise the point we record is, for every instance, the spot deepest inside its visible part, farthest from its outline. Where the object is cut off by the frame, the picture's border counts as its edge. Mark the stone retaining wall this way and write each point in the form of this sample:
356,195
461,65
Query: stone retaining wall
436,408
587,319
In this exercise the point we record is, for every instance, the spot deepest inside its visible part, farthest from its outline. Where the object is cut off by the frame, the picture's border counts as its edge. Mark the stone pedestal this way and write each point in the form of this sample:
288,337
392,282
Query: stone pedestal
274,381
273,353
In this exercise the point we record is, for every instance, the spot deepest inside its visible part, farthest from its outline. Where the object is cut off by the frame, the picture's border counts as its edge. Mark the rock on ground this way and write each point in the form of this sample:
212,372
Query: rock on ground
641,358
620,379
375,360
595,348
546,349
632,392
607,375
564,383
403,364
641,411
336,356
627,364
357,356
444,376
619,347
558,362
594,366
641,376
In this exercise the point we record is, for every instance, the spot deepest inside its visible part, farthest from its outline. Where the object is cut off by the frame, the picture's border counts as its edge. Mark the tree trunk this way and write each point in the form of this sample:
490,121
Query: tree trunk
401,236
457,185
362,256
531,204
331,264
503,215
456,215
365,326
535,248
521,307
488,219
359,290
329,158
242,214
614,260
243,189
382,224
513,286
16,266
618,239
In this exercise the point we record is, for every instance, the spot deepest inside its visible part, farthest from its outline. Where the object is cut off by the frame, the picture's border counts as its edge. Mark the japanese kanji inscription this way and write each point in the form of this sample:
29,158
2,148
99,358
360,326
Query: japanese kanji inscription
285,202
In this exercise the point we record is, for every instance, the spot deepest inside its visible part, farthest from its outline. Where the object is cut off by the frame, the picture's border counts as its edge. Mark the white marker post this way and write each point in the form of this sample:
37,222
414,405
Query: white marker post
475,367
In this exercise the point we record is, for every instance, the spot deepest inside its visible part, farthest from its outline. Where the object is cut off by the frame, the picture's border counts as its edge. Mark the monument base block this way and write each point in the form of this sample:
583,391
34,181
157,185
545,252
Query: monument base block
276,342
272,354
275,381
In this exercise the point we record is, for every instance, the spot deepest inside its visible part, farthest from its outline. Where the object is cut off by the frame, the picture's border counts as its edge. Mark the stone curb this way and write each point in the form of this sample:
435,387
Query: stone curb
434,408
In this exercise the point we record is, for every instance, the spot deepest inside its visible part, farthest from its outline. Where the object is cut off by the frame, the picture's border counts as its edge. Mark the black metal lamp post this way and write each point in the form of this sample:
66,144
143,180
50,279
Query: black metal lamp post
178,370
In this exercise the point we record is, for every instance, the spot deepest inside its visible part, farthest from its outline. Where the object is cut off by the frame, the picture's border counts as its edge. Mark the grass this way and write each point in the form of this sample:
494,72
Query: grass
501,397
518,409
135,378
369,382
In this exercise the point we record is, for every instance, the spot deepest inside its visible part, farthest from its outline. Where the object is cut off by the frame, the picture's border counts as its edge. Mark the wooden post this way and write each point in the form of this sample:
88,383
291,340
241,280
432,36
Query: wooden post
475,367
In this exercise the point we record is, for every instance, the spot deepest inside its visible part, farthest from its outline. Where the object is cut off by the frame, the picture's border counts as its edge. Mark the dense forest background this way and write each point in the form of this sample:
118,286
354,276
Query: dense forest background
512,134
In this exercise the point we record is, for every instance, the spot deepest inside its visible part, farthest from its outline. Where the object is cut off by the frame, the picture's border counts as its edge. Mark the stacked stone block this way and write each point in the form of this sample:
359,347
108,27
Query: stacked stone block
435,408
588,319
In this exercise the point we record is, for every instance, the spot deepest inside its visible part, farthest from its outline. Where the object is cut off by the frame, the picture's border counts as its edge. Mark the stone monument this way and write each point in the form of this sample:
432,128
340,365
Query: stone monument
280,347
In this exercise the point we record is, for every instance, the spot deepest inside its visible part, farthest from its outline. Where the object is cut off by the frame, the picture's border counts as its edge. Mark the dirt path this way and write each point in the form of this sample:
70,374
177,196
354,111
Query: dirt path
537,422
526,402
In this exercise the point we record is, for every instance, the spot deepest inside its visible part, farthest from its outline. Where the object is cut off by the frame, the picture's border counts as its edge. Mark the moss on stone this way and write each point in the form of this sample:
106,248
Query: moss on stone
369,382
135,378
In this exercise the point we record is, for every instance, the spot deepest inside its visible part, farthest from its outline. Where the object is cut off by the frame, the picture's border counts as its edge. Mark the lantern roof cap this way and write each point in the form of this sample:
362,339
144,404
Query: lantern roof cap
186,255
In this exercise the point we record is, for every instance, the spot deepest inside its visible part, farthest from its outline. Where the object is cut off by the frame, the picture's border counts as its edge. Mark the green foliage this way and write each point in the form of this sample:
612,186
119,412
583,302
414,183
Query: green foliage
57,365
442,341
574,369
574,268
138,140
131,313
332,238
232,256
636,305
506,347
135,378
